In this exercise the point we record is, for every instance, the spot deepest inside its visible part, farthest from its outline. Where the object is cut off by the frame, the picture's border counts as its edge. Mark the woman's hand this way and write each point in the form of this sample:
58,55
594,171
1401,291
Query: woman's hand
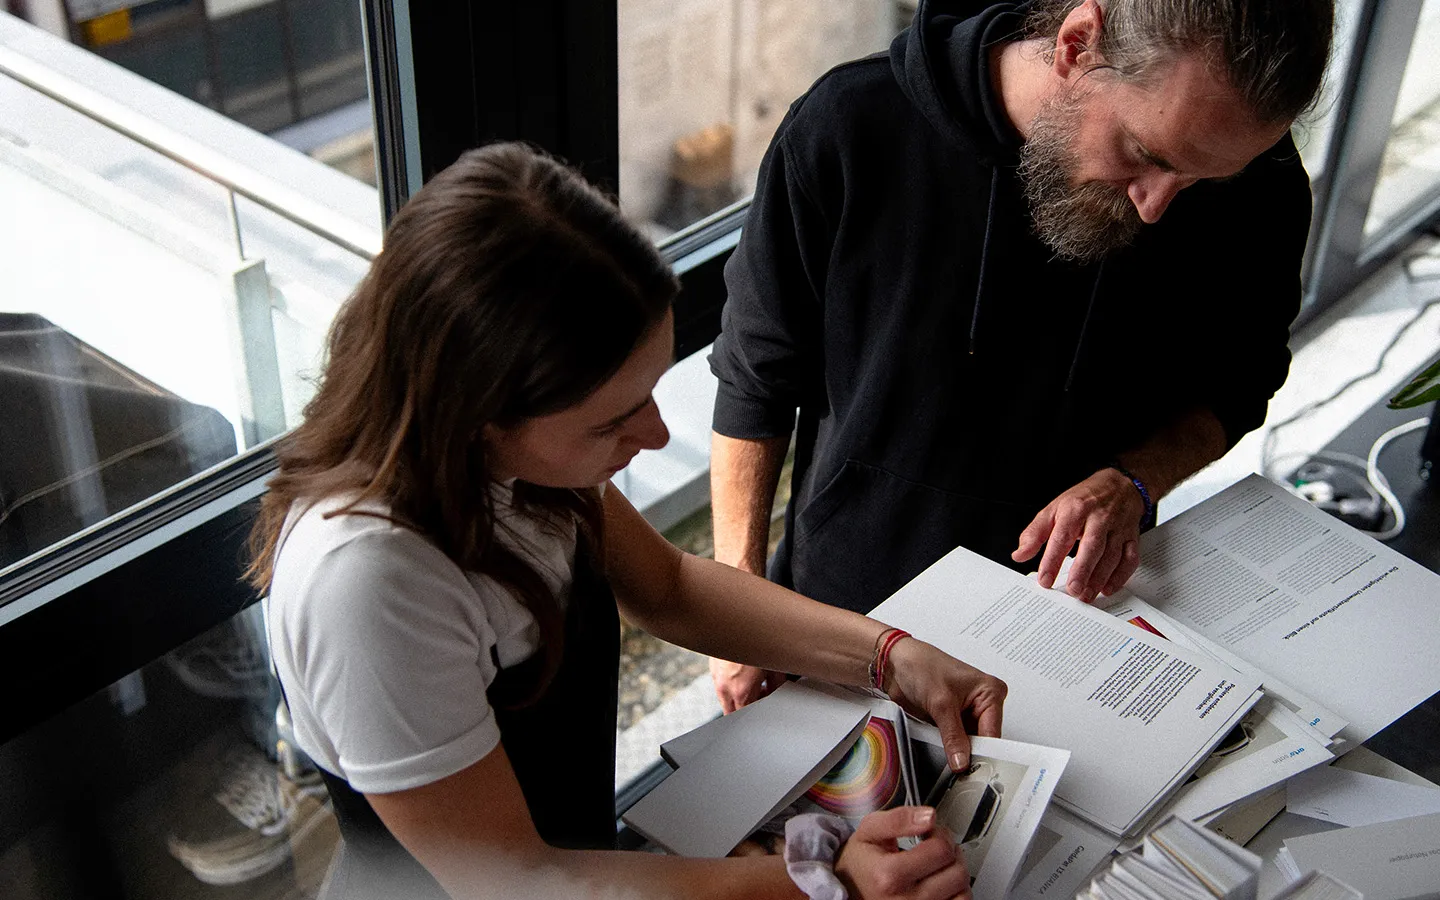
960,699
872,865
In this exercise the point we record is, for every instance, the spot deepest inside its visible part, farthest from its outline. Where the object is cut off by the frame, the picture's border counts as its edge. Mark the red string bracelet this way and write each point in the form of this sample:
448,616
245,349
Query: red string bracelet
882,656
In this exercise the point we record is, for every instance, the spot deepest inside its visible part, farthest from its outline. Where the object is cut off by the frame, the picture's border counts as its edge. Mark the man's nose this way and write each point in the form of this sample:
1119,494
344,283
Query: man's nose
1152,195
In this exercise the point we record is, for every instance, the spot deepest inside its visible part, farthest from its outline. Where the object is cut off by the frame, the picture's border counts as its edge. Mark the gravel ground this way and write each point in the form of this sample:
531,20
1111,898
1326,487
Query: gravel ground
652,670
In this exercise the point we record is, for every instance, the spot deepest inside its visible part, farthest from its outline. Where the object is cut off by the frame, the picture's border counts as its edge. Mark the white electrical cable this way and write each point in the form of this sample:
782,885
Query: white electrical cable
1267,443
1356,471
1377,478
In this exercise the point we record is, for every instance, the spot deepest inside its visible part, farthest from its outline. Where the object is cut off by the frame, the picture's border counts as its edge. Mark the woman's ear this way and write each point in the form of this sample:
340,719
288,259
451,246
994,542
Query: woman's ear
1077,46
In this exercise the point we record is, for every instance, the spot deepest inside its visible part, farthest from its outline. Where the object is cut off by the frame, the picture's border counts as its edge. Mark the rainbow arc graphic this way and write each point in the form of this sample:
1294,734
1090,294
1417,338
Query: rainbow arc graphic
867,778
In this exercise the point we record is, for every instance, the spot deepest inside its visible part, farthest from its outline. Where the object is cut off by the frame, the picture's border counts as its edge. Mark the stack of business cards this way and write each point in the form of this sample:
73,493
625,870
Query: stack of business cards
1179,860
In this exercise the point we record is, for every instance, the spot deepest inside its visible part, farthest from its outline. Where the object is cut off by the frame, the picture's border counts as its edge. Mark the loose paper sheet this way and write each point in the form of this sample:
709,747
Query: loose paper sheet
1297,593
1354,798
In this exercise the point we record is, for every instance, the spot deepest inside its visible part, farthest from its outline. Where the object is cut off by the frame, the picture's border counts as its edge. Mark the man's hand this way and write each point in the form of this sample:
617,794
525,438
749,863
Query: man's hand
1103,514
738,685
930,683
872,865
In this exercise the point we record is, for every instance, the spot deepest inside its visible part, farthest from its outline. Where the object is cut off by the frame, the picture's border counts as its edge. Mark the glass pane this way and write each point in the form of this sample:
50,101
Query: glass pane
704,83
250,67
170,271
329,48
1410,169
1313,134
175,782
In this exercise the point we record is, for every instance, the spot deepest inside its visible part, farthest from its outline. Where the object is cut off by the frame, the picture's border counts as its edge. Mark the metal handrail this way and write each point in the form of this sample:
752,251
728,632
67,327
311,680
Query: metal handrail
191,154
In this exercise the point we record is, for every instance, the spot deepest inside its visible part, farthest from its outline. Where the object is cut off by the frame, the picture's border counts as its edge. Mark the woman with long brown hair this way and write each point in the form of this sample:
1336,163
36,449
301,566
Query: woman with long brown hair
439,551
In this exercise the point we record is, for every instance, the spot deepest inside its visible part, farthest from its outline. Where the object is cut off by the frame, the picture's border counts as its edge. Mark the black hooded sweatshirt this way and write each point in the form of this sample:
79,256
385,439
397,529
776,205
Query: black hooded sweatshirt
951,376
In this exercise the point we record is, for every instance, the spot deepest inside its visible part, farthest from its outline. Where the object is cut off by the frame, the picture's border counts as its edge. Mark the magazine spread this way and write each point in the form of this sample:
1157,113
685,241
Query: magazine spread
993,809
1271,744
1304,598
1137,713
1124,604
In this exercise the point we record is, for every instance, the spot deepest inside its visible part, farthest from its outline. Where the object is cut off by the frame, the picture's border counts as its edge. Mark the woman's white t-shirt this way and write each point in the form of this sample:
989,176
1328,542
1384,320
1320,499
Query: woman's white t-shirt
384,645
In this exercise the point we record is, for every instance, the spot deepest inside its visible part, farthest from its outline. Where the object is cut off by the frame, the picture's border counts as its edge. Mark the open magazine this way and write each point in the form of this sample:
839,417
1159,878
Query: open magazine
1320,612
1138,713
992,809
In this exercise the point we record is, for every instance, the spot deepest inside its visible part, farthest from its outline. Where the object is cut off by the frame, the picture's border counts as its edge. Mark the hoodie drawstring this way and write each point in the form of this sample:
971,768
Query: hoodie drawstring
980,285
985,255
1085,325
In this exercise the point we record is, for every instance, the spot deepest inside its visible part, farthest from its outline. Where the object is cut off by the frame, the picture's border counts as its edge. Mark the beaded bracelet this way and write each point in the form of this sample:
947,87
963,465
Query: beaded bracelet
1148,518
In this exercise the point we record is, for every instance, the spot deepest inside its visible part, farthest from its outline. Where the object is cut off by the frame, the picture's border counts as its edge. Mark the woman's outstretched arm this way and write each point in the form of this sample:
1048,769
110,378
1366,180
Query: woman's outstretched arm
721,611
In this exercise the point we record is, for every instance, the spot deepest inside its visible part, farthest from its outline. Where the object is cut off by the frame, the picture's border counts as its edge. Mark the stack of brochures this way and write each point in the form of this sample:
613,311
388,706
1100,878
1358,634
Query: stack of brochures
885,759
1337,629
1179,860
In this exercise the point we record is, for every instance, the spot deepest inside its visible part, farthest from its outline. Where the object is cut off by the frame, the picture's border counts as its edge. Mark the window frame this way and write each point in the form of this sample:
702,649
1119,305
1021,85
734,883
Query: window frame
1339,255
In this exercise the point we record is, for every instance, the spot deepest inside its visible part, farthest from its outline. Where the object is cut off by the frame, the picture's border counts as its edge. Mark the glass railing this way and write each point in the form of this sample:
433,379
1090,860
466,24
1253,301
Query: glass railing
170,276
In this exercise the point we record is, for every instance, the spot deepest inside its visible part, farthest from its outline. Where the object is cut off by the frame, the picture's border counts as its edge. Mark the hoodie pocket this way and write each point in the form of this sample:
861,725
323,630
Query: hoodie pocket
869,531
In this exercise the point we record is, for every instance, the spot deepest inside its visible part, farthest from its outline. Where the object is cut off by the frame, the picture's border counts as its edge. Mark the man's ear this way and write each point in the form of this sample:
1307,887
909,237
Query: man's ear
1077,46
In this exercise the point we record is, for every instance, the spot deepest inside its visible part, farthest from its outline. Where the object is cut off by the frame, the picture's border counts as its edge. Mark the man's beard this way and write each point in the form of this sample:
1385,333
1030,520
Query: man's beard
1080,222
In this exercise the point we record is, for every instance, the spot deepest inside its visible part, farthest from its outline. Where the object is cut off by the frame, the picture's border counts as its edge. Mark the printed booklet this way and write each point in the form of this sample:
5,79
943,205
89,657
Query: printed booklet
1137,713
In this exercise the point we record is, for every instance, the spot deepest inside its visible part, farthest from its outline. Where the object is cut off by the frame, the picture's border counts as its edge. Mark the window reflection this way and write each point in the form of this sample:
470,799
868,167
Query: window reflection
704,83
176,782
1410,169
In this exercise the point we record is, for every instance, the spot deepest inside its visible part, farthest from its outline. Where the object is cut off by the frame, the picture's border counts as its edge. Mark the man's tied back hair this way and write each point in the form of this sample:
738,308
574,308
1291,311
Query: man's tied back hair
1272,51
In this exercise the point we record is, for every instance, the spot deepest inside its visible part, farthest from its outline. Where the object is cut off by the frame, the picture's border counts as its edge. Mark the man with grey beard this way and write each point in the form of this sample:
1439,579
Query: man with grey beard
1019,277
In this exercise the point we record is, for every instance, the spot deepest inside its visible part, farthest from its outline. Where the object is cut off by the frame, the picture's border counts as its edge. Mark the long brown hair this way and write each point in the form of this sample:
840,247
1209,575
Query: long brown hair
508,288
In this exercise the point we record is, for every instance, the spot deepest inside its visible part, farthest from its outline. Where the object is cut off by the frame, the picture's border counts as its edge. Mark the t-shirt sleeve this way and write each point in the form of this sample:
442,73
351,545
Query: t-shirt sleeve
394,661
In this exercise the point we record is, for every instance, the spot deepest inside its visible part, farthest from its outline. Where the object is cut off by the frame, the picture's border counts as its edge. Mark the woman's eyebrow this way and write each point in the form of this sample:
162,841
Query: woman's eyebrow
608,423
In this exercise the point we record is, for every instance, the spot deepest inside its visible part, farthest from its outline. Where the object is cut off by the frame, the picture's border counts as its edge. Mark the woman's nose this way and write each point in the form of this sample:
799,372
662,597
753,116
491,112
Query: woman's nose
648,429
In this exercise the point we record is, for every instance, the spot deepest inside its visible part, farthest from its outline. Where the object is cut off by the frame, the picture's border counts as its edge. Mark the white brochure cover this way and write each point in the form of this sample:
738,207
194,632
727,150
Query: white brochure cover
749,773
1066,852
1343,797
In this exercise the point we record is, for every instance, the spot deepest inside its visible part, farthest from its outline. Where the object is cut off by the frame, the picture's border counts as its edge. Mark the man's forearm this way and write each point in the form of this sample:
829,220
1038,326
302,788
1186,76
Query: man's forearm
743,476
1177,451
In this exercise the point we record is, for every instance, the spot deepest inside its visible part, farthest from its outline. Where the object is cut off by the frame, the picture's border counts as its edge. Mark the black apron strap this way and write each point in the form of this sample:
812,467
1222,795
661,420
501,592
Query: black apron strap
562,748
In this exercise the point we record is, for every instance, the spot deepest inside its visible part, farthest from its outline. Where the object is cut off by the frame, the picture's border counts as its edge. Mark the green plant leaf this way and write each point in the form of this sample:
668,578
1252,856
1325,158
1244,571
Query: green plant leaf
1425,388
